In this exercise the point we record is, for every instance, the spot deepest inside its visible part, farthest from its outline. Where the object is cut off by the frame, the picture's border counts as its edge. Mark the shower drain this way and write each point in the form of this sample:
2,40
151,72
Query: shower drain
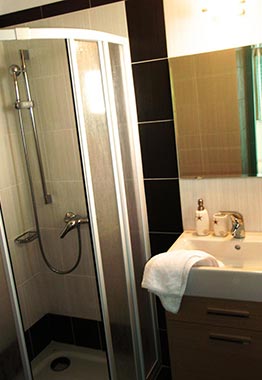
60,364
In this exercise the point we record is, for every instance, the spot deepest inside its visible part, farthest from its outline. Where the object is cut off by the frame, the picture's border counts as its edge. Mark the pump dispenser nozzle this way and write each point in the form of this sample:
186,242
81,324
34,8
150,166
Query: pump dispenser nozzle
200,205
202,219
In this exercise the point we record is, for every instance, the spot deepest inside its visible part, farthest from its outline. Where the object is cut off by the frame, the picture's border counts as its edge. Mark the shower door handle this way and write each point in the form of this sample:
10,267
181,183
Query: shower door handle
72,221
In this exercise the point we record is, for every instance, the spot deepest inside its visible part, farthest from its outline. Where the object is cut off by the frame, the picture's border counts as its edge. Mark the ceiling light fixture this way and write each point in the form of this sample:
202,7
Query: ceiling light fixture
219,7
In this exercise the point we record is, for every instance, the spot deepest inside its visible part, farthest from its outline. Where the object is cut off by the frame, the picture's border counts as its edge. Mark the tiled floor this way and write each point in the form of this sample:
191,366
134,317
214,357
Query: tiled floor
86,363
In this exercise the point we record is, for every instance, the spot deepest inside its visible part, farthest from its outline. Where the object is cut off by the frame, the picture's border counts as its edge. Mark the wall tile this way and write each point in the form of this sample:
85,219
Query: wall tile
25,260
86,265
78,19
40,334
95,3
162,198
158,150
20,17
12,166
146,29
48,58
161,242
152,87
63,253
45,92
62,161
86,290
53,248
22,307
35,300
8,119
66,6
52,215
17,210
57,294
86,333
239,194
109,19
29,345
102,335
7,328
61,328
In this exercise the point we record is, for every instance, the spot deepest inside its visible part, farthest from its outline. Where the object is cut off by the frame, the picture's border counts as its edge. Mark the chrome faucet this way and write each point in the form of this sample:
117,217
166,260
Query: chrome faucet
72,221
238,228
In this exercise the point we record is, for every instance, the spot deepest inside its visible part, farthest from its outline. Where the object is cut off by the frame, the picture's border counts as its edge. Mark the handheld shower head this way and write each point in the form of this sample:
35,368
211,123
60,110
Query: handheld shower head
14,70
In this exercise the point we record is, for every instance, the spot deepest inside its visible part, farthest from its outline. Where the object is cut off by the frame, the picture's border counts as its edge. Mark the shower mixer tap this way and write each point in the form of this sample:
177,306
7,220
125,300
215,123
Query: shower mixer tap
72,221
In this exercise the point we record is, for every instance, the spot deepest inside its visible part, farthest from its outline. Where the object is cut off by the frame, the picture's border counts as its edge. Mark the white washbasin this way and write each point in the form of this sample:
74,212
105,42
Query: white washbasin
241,278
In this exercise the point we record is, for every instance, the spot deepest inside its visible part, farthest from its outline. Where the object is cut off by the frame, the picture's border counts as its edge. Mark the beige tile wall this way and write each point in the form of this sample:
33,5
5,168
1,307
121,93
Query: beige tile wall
109,18
7,328
238,194
14,192
57,132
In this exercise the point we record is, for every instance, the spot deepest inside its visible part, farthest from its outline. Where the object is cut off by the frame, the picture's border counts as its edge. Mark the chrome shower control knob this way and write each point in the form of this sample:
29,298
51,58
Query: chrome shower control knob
68,216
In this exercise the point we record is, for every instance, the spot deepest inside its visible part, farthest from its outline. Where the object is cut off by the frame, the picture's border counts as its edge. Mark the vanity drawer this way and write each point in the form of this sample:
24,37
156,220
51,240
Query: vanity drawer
200,352
219,312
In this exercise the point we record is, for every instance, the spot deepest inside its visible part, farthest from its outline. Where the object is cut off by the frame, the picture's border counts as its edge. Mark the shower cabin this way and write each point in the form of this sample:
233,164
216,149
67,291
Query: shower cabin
74,234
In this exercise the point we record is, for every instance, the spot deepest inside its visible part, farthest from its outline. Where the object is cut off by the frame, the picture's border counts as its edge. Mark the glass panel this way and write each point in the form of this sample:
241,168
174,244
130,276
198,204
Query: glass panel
10,360
133,203
106,206
59,312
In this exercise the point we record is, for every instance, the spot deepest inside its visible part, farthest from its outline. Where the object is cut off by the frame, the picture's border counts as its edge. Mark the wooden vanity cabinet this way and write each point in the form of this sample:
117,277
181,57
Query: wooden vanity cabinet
214,339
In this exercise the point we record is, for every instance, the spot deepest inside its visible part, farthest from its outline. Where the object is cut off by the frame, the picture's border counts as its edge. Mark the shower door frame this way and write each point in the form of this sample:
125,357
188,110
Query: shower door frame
14,299
102,39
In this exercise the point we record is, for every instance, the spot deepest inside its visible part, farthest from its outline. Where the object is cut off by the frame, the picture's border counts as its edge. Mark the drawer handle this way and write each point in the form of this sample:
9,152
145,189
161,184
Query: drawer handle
228,312
230,338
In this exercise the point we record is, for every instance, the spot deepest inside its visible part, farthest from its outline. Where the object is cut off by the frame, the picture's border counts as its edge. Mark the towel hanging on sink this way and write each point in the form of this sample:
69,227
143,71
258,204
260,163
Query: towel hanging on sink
166,274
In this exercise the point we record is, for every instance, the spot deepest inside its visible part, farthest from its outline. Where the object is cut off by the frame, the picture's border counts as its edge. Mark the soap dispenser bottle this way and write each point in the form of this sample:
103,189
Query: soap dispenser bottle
202,219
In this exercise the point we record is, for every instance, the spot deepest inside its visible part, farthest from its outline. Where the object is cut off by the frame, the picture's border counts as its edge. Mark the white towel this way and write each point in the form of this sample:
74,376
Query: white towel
166,274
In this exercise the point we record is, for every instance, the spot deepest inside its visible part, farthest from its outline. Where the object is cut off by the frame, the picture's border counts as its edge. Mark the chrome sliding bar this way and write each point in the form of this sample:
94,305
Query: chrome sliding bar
29,104
26,153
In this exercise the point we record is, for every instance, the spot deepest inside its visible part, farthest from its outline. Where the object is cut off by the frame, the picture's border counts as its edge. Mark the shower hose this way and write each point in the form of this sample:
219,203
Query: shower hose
15,71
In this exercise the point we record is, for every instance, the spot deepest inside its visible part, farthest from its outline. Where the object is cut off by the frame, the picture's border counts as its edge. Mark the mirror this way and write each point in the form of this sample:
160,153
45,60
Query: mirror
217,106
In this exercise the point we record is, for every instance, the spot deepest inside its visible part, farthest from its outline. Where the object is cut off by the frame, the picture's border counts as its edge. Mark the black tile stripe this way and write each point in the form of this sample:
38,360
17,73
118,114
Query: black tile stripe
146,27
49,10
161,242
158,149
20,17
95,3
153,93
64,329
66,6
163,205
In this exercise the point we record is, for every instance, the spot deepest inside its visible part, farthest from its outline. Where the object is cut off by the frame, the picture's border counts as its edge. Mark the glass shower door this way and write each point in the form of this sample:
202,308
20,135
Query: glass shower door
110,152
11,367
60,312
133,184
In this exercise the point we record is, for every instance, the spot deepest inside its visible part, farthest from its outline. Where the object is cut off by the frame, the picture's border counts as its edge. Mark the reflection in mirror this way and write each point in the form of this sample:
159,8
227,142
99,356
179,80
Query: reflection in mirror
217,106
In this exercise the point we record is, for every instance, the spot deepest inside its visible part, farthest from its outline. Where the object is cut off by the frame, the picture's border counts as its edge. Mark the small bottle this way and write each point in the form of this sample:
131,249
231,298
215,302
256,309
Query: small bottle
202,219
